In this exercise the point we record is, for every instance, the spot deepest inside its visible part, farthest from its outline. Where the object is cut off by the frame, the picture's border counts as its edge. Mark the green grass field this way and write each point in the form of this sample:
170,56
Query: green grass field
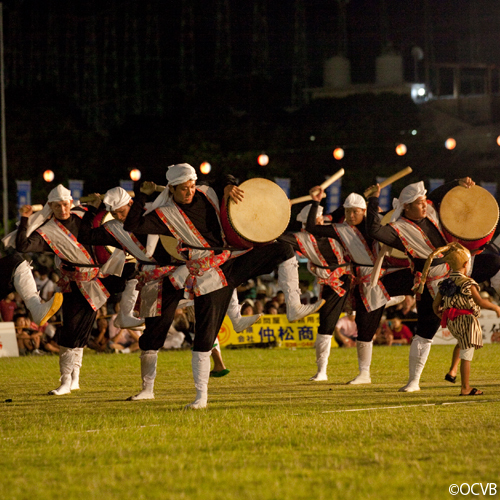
268,432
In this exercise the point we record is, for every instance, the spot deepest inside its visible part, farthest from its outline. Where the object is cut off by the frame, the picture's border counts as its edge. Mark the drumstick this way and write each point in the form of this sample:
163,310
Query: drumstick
377,268
303,198
36,208
388,181
324,185
86,199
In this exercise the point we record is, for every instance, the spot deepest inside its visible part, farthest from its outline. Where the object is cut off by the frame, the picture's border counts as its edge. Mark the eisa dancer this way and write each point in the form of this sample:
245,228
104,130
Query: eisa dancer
361,252
55,230
191,215
415,229
326,261
157,272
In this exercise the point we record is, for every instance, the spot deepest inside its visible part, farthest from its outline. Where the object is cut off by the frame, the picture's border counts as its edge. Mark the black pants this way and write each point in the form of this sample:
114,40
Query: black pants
398,283
211,308
8,266
333,306
78,319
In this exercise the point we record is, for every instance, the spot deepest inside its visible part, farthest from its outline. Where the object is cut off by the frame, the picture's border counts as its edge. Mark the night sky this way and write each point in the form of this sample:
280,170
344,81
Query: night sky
129,65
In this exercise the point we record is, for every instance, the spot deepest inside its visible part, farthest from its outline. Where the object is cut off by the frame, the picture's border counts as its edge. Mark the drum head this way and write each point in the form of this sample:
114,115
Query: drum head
264,213
397,254
469,213
170,245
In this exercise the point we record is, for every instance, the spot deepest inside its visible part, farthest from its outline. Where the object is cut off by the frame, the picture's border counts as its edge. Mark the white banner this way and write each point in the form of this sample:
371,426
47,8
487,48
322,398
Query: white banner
490,325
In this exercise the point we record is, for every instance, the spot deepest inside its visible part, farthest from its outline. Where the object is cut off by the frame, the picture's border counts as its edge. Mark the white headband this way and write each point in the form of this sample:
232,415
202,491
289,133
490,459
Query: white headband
408,195
116,198
355,200
182,172
304,213
35,220
59,193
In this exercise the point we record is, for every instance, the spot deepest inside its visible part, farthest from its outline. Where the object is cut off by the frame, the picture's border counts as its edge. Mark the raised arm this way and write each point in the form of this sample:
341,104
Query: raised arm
138,223
384,234
33,243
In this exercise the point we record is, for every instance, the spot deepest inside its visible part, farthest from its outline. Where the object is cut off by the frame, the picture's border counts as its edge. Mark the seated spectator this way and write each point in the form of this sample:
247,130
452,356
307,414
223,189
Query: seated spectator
246,309
271,307
279,298
258,307
346,331
45,286
380,336
28,336
407,312
99,338
49,338
8,307
306,295
396,332
126,341
184,323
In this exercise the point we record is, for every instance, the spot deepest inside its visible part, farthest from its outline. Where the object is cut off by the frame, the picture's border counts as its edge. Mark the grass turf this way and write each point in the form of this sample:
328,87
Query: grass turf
268,433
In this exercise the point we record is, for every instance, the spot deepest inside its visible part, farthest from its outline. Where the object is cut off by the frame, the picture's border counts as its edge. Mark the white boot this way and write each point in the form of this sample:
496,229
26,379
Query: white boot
66,365
419,351
394,301
288,280
364,361
125,317
75,375
148,374
25,285
239,322
323,345
200,363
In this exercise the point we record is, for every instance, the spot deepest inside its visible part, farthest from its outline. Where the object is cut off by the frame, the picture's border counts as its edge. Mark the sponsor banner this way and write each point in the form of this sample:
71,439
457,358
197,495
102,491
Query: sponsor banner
491,187
128,185
23,193
76,188
333,196
283,183
385,200
435,183
490,324
273,329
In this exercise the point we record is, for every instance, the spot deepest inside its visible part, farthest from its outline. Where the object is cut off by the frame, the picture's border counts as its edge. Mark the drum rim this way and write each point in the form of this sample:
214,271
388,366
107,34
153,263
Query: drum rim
228,205
492,230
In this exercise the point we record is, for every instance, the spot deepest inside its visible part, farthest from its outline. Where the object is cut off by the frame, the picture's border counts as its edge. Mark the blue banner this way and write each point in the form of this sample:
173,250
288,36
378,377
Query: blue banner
333,195
76,188
283,183
385,199
435,183
23,193
491,187
126,184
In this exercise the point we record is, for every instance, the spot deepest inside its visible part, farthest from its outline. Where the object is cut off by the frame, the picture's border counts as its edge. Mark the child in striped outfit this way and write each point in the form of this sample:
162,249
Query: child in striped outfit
459,304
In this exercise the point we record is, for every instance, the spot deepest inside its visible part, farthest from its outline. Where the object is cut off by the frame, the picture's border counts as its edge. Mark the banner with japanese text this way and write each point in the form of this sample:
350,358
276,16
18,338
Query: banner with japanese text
273,329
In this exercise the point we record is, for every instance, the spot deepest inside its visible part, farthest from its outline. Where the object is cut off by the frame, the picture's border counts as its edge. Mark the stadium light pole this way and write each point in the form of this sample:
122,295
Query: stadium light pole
2,132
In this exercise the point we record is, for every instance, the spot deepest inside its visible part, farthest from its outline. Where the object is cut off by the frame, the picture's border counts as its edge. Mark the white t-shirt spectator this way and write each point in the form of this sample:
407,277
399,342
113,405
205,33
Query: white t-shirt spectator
46,287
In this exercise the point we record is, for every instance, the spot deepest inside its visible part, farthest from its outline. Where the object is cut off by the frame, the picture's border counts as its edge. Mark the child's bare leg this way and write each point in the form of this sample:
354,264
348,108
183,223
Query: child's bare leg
466,356
218,362
455,360
464,374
